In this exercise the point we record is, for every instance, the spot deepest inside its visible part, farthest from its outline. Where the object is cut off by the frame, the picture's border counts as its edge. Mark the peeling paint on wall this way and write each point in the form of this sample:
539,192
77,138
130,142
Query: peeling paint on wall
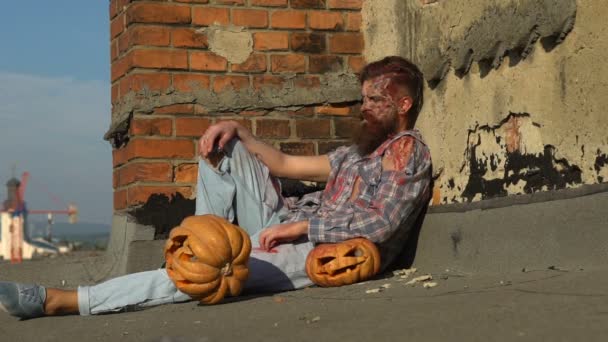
601,166
509,159
231,42
452,35
164,213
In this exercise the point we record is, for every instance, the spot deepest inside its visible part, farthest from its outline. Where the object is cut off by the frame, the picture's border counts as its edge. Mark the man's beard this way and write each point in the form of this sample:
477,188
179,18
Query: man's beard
368,138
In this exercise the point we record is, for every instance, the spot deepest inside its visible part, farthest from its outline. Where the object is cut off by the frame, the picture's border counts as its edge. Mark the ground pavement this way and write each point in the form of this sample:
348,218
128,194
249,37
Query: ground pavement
546,303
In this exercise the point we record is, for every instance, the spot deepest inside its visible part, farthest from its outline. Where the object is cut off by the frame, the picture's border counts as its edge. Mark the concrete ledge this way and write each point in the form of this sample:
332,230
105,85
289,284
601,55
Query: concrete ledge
569,233
566,233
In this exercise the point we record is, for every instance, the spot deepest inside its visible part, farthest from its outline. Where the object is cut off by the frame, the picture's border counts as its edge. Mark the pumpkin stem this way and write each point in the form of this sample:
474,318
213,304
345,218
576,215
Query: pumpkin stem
226,270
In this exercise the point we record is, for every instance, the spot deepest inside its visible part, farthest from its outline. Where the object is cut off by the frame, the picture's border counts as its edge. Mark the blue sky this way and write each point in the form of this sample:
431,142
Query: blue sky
55,103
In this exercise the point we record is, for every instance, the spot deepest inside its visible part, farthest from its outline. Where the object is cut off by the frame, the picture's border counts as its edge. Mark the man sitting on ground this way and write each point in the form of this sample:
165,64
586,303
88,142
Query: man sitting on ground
376,189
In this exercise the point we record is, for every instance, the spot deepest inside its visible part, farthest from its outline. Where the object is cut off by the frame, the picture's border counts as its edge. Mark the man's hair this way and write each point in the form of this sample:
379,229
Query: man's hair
403,73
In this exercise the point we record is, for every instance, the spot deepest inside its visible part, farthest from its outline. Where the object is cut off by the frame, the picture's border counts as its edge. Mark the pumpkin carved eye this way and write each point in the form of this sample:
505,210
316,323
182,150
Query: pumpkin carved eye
343,263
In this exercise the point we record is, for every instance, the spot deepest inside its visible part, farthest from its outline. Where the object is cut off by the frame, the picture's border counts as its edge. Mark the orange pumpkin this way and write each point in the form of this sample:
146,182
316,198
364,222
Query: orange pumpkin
207,257
344,263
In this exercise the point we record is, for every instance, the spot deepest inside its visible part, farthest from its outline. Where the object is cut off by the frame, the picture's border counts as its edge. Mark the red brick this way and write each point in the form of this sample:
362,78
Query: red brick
268,82
186,173
356,63
120,199
224,83
269,3
230,2
113,8
314,128
190,82
165,59
193,1
158,13
191,127
302,112
298,148
344,127
255,63
151,81
120,155
207,61
115,92
121,66
250,18
307,3
175,109
346,43
115,178
325,147
161,148
288,19
122,5
307,81
353,21
151,126
189,38
333,109
114,50
144,35
308,42
288,63
145,172
268,128
345,4
253,113
117,26
140,194
206,16
245,122
265,41
324,20
325,63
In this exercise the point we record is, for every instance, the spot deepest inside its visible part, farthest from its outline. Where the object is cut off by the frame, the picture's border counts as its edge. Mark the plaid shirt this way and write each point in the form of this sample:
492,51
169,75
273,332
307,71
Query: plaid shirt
386,206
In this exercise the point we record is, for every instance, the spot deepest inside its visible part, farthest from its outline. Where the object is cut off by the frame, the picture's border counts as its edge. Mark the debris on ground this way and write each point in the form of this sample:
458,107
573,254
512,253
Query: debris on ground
419,279
429,284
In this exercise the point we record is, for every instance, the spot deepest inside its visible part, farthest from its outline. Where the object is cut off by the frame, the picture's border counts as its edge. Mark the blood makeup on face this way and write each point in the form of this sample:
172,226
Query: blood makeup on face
378,100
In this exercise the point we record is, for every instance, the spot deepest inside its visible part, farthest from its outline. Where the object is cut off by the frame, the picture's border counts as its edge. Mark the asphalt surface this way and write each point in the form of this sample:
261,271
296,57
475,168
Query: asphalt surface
547,303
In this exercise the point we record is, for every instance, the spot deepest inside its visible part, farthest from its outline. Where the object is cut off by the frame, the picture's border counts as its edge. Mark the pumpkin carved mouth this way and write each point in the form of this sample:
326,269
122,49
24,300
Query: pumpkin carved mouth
347,262
332,266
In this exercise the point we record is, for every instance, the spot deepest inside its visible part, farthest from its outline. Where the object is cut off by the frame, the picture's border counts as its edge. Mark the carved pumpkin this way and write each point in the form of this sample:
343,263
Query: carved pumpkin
207,258
344,263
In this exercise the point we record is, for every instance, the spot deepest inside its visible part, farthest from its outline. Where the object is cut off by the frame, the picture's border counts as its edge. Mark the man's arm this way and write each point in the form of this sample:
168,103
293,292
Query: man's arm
312,168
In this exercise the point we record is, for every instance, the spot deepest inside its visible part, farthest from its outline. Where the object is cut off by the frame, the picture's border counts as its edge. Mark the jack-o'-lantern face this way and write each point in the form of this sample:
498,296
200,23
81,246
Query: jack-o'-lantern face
344,263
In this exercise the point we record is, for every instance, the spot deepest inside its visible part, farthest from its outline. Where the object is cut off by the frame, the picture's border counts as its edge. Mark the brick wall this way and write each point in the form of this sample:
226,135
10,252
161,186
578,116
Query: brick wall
171,79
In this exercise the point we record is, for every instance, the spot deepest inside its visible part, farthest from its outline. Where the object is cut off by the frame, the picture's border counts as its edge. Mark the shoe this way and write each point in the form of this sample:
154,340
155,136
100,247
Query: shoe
22,300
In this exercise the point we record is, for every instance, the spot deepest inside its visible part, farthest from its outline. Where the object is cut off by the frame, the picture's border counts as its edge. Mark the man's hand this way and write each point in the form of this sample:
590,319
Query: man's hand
281,233
220,133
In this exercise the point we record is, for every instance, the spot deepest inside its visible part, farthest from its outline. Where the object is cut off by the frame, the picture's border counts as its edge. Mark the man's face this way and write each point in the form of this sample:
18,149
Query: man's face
378,113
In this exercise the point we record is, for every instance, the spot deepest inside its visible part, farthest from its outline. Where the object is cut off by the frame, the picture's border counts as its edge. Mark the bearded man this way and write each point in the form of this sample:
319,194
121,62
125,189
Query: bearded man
376,189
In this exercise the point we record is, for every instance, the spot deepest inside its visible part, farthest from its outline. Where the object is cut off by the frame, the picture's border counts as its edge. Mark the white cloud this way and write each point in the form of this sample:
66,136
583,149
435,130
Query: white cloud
53,128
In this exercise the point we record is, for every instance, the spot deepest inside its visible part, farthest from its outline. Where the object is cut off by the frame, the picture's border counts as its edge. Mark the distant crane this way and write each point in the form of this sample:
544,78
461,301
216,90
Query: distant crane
71,211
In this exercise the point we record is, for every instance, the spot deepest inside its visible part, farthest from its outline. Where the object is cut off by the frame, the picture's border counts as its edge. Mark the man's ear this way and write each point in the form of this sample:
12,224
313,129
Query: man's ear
405,103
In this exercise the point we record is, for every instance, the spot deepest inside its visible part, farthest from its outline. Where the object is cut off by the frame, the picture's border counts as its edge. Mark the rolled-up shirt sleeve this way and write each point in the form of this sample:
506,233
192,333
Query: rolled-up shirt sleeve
399,193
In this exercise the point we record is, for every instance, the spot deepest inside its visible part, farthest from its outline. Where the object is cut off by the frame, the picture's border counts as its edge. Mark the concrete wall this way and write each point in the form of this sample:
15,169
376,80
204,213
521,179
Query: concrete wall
515,96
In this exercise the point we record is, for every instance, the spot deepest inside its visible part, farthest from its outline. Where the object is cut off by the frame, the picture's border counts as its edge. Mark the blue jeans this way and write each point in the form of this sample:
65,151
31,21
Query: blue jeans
240,188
